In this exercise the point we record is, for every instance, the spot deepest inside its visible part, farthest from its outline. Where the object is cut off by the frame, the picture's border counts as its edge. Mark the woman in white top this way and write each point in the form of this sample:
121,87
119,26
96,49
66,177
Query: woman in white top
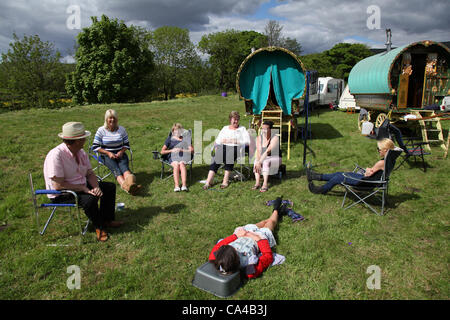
229,143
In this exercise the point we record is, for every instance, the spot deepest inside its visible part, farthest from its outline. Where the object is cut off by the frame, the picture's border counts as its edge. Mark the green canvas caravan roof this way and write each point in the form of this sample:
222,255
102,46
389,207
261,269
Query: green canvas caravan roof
267,69
373,74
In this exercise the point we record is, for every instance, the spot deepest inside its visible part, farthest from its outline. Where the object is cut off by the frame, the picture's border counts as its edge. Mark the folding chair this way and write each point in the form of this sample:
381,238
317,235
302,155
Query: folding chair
416,150
164,159
54,207
366,189
101,170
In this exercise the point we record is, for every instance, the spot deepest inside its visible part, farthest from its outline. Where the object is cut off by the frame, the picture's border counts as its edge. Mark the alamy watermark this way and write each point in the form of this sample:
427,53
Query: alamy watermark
73,22
74,281
374,281
374,20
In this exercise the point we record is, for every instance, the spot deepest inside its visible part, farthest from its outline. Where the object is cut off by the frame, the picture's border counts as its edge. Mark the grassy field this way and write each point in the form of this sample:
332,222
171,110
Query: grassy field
168,235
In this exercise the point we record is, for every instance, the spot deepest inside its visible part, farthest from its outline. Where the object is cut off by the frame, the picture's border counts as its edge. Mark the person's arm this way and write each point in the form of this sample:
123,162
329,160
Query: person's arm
265,260
225,241
258,155
59,184
378,166
273,143
125,141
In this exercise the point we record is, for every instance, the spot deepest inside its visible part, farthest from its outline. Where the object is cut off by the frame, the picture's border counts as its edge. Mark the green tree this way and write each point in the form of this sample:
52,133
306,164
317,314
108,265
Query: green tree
31,72
114,63
227,50
292,45
175,58
338,61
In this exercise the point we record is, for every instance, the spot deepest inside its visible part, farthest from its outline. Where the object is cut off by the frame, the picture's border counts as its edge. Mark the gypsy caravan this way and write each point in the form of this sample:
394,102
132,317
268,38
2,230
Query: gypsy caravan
272,82
404,83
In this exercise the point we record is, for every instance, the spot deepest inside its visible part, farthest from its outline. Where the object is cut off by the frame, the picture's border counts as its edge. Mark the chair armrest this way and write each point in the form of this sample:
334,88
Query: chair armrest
364,181
43,191
156,155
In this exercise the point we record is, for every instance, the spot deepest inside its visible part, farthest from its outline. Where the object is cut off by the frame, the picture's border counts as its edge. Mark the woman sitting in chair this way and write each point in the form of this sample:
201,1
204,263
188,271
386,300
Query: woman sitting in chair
268,156
373,174
178,151
229,143
111,141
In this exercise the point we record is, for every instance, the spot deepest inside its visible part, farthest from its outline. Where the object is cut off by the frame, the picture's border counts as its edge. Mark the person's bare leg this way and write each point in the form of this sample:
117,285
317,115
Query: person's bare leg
120,180
226,177
270,223
176,173
183,174
265,180
210,178
257,179
126,174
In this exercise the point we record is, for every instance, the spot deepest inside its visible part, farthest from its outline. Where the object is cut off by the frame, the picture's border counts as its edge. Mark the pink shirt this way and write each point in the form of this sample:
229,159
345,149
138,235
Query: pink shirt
61,163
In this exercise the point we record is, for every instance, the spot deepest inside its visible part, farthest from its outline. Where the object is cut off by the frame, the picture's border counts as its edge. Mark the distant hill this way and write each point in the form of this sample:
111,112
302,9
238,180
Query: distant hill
379,50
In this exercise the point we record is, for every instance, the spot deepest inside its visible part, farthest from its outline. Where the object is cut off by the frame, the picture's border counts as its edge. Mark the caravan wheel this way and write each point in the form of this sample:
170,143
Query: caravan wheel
380,119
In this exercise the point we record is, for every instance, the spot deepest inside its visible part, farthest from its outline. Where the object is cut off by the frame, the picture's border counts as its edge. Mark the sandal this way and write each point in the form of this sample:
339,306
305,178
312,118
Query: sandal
206,187
102,235
223,186
263,189
256,187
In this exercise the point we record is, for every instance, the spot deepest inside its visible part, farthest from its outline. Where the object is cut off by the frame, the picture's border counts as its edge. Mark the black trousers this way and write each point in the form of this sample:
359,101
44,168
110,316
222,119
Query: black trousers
99,215
224,155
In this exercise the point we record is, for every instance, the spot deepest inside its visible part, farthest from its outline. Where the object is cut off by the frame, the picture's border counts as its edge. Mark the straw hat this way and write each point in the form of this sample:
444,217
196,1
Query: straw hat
73,131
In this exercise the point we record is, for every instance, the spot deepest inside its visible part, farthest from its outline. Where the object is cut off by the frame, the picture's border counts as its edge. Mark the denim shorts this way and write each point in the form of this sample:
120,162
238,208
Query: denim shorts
117,166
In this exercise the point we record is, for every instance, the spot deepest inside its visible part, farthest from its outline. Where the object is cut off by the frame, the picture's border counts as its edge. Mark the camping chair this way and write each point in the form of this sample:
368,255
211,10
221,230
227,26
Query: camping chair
101,170
165,162
415,149
366,188
54,207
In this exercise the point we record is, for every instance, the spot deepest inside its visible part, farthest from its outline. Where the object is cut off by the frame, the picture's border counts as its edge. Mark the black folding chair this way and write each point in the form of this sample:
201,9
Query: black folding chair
366,189
415,147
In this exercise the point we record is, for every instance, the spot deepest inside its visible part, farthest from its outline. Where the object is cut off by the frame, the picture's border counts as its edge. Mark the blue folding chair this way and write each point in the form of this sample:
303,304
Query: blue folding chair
101,170
54,207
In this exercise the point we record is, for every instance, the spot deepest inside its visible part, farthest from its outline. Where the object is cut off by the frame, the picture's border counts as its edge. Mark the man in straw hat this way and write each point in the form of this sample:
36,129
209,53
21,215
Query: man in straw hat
67,166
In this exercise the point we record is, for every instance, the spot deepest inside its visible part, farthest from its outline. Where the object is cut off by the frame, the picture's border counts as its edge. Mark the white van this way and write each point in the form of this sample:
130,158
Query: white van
330,90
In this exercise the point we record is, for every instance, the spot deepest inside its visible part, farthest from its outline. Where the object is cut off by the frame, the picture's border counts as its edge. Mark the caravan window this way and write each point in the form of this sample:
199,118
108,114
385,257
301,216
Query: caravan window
321,87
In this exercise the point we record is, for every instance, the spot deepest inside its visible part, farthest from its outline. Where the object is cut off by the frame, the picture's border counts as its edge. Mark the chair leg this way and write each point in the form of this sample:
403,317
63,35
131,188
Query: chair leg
48,222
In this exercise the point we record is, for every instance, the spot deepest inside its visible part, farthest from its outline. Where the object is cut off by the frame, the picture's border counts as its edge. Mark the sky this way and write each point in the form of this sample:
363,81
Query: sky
316,24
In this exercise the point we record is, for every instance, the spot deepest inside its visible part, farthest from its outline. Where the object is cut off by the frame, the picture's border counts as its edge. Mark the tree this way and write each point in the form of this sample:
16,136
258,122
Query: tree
114,63
174,56
31,72
292,45
227,50
344,56
338,61
272,31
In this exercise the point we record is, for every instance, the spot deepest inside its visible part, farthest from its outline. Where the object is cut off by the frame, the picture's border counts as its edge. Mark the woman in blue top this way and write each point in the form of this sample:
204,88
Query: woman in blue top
111,141
178,151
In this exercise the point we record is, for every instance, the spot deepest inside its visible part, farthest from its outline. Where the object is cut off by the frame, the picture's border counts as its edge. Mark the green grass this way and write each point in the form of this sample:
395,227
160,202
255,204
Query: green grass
167,235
